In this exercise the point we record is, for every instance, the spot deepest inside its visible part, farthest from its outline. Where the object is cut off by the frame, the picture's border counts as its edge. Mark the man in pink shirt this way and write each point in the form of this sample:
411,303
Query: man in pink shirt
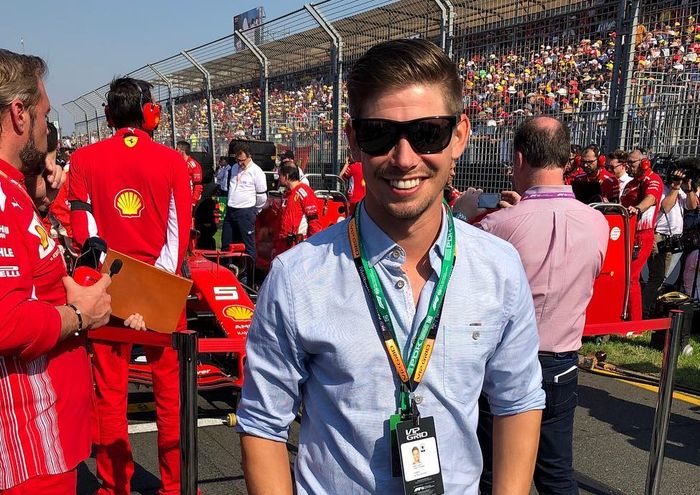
562,245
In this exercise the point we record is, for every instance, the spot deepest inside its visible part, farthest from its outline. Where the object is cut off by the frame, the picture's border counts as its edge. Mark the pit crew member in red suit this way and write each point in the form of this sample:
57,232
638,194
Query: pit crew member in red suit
352,173
594,172
642,196
44,369
573,167
135,194
299,218
195,170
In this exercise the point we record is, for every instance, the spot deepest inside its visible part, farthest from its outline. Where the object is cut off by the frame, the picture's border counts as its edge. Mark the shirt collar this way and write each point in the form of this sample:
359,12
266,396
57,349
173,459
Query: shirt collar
11,172
125,131
378,245
548,189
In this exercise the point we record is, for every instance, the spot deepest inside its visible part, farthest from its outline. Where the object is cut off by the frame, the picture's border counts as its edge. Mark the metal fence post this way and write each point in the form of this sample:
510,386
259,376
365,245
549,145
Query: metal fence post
210,114
171,101
446,25
264,83
186,344
626,72
97,117
337,72
663,402
87,125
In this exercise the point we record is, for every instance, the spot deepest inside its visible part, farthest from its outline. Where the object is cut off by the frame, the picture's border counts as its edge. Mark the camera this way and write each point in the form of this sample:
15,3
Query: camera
678,243
672,168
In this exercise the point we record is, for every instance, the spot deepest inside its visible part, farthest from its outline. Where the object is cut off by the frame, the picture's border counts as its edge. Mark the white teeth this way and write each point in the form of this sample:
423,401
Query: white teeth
404,184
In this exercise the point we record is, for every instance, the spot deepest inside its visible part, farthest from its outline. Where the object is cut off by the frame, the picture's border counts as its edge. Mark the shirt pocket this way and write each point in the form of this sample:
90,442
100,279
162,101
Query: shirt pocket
467,349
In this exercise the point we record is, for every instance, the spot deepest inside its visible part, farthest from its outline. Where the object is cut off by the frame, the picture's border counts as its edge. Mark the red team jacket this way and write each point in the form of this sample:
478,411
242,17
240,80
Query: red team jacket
609,185
195,171
299,216
637,189
44,387
135,194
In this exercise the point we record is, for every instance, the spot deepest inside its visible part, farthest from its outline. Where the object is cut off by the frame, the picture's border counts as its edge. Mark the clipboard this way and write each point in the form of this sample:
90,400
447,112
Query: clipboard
159,296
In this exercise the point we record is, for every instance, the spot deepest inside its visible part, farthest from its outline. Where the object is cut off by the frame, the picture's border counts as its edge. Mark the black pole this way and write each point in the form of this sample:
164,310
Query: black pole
663,403
186,345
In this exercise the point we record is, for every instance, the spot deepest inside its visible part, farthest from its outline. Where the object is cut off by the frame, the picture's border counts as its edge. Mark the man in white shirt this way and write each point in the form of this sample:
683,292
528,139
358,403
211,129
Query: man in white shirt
617,164
247,192
669,222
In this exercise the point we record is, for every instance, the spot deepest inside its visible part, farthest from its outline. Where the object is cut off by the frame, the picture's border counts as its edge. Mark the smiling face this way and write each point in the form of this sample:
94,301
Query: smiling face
402,184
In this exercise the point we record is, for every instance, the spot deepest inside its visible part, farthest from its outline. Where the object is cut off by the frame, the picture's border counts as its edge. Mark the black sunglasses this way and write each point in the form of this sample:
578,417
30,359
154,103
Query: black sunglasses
427,135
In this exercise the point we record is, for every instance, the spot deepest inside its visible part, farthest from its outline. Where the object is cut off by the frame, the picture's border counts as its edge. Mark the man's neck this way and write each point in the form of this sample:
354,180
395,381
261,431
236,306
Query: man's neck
415,235
8,156
543,177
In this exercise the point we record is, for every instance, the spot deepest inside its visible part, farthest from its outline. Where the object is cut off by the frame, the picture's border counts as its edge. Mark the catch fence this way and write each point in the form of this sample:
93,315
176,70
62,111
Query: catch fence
621,73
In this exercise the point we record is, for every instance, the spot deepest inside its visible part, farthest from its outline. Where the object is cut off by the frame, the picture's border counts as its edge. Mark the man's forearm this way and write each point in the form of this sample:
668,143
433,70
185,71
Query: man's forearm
515,441
670,200
265,466
646,203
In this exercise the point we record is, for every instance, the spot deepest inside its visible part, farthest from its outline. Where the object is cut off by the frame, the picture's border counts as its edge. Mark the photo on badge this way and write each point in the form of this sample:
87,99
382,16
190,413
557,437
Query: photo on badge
419,459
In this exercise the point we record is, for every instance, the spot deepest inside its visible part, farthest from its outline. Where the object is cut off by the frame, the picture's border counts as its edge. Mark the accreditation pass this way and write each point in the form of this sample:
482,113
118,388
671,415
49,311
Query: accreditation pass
420,461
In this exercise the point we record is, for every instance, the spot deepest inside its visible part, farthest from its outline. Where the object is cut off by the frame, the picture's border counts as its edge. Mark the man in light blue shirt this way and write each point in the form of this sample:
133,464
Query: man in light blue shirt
316,339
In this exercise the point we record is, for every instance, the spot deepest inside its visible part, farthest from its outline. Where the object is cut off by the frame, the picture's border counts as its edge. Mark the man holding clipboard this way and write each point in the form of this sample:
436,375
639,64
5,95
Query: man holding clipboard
135,194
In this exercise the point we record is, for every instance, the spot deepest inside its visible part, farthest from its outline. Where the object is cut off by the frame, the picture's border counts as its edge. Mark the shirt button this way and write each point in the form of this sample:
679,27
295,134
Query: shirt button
400,284
396,254
418,398
475,336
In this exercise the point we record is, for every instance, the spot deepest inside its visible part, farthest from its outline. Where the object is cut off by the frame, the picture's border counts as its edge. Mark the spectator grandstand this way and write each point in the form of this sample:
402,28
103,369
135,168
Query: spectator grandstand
567,59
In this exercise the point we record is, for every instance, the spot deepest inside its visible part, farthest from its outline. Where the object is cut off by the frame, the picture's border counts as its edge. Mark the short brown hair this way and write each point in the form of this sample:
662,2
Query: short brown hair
19,79
401,63
621,155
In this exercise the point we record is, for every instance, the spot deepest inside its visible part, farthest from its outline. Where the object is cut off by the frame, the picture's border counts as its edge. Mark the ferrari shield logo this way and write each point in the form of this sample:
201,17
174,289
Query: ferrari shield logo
130,141
129,203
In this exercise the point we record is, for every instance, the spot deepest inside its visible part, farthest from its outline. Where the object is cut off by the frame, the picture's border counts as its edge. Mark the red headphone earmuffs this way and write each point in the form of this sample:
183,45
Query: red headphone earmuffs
601,161
577,161
645,164
151,116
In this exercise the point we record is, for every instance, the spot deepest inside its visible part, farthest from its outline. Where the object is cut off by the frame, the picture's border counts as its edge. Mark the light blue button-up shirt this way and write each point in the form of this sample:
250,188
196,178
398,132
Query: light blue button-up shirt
314,340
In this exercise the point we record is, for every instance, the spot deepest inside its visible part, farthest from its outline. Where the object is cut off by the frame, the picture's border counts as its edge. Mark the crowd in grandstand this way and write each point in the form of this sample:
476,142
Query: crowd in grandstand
564,69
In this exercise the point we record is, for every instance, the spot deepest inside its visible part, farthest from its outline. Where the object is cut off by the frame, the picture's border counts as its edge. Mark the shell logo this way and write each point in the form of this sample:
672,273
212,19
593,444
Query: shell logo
238,313
129,203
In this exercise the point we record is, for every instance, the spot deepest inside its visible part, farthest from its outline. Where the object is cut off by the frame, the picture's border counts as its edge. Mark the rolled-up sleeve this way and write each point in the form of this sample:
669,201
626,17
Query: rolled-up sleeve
275,366
513,379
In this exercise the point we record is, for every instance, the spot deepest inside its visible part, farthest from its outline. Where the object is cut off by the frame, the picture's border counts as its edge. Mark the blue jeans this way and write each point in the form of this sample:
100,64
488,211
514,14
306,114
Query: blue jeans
554,472
239,227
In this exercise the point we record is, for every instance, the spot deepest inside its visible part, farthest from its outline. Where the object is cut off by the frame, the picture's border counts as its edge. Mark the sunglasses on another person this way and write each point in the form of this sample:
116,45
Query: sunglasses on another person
426,135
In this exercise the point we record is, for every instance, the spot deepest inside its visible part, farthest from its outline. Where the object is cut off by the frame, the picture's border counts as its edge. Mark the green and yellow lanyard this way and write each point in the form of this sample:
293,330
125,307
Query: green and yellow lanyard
422,349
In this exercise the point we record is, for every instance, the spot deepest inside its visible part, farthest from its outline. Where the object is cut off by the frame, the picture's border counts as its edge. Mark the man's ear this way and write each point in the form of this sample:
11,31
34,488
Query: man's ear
19,116
461,136
518,160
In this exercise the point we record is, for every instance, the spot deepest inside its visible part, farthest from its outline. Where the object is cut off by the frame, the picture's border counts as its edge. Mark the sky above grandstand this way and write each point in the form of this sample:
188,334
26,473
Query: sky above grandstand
86,43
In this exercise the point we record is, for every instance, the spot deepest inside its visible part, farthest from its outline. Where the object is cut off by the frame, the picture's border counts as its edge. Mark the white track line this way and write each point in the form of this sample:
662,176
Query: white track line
147,427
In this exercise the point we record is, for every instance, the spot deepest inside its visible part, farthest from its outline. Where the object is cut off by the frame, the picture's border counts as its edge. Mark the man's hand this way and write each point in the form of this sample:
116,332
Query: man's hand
93,302
55,177
136,322
508,199
467,203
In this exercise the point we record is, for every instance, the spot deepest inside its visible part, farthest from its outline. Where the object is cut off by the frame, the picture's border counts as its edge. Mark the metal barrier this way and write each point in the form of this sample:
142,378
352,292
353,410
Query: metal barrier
188,345
663,403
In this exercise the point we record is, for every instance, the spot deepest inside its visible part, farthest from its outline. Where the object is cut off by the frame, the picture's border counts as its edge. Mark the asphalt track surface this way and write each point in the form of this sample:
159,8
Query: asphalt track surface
611,442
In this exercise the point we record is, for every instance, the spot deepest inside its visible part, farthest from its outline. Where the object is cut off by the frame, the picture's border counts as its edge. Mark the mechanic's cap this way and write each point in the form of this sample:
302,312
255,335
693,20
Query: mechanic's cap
287,155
